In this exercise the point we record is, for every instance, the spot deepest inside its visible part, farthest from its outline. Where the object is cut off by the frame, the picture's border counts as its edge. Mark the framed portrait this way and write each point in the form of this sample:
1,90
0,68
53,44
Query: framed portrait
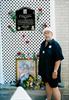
24,67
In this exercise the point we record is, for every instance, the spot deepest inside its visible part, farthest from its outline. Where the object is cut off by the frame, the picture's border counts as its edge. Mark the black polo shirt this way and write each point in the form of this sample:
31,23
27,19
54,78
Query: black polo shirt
48,56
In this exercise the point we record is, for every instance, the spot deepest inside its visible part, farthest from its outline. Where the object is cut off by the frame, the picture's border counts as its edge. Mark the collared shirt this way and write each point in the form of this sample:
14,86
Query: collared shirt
48,56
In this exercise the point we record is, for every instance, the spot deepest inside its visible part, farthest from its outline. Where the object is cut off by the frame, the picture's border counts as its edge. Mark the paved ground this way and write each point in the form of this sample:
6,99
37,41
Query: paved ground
5,94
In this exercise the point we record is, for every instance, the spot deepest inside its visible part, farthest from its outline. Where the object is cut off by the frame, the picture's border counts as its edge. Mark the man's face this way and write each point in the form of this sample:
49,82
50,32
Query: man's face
48,35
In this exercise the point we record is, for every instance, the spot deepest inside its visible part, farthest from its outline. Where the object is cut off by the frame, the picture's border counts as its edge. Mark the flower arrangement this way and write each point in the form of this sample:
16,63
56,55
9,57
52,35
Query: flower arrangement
29,82
26,56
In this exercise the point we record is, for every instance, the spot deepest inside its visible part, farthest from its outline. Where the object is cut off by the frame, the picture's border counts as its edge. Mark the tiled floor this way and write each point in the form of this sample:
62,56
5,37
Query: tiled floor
5,94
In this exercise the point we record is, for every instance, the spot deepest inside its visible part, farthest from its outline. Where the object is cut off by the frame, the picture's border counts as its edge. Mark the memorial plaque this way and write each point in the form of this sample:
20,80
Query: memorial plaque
25,19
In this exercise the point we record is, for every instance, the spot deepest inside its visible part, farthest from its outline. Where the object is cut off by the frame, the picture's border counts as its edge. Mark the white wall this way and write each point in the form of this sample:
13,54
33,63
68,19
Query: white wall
52,13
62,34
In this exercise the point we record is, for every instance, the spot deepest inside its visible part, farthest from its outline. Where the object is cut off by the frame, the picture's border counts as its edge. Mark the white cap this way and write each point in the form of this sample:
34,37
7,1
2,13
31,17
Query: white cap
47,29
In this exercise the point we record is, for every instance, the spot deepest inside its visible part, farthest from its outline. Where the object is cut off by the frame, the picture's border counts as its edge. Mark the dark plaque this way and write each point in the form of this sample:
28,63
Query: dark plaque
25,19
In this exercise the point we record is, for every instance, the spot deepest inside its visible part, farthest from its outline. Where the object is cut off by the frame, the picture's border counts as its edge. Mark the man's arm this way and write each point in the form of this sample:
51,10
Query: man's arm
56,67
57,64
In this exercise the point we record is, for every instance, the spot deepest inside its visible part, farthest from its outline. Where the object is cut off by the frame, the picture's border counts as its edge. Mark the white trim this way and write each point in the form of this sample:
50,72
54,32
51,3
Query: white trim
52,14
1,67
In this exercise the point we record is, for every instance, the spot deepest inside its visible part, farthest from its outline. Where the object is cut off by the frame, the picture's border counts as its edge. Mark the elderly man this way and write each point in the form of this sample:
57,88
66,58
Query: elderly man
50,64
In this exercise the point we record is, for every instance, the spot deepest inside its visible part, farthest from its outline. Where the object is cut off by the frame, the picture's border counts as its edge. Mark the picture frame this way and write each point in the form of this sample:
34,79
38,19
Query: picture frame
24,66
37,65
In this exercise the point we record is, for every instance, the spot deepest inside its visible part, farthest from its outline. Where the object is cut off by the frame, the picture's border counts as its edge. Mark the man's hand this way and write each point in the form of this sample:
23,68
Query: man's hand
54,74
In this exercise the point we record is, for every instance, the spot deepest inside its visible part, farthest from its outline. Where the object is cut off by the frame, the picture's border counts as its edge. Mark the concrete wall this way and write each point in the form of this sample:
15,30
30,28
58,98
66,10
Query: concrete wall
62,35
